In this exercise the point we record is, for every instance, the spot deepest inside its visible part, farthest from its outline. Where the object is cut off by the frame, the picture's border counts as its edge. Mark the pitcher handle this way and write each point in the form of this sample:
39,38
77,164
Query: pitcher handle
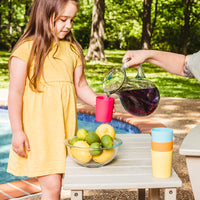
140,74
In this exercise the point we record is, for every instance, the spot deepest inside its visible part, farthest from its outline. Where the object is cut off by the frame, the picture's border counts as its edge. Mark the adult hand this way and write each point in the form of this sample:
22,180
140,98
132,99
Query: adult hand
20,143
134,58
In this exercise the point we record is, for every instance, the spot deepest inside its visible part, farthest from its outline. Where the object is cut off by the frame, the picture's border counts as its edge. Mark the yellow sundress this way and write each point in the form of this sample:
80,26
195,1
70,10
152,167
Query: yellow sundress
49,117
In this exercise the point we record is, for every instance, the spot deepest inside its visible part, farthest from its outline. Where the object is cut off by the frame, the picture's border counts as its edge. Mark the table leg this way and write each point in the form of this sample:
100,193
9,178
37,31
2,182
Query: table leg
154,194
141,194
76,194
170,194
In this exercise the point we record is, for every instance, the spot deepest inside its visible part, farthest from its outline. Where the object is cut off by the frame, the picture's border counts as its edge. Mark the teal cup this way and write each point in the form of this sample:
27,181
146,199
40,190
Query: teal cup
161,134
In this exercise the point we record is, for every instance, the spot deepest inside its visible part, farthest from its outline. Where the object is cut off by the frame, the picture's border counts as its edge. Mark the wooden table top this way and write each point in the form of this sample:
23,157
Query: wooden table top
131,169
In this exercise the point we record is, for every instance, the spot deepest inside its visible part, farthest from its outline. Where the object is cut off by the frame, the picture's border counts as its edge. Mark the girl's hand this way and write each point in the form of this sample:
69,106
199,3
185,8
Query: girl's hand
20,143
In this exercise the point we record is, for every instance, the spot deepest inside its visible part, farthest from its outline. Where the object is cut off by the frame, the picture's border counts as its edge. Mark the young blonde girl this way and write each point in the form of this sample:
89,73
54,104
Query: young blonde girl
46,73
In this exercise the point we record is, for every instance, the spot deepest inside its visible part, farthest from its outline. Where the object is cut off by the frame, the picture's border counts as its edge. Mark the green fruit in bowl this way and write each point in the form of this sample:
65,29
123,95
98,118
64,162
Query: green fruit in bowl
107,141
73,140
97,149
81,133
92,137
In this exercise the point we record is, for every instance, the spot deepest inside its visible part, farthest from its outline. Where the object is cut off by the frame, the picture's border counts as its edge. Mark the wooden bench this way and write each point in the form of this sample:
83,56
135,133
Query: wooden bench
191,149
130,170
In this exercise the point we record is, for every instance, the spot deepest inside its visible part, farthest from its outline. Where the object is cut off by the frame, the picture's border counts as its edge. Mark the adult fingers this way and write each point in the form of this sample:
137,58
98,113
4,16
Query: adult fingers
131,63
126,58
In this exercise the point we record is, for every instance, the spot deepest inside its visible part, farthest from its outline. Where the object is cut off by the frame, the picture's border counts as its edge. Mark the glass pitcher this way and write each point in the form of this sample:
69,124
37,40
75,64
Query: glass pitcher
138,95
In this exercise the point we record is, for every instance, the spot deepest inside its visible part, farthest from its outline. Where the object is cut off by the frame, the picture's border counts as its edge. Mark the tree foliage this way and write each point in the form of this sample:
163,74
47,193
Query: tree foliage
175,24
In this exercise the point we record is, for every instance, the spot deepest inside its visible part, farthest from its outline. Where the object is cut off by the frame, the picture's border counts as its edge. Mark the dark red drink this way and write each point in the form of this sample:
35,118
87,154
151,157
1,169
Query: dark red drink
140,102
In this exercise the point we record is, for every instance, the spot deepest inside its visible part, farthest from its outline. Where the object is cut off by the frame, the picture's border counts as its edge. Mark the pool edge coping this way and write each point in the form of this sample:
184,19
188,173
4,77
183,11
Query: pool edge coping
144,124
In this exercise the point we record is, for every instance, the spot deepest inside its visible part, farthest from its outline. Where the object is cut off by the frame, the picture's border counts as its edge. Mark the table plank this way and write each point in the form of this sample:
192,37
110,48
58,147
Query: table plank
120,181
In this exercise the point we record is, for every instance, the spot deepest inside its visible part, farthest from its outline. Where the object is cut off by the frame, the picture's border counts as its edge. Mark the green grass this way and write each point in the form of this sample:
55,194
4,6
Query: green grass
169,85
4,56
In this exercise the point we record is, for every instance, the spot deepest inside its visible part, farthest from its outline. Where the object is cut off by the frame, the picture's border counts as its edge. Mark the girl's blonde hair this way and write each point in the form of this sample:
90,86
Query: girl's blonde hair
41,29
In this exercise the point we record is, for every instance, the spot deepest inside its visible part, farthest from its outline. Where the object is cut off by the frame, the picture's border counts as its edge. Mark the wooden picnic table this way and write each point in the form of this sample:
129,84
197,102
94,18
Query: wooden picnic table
130,170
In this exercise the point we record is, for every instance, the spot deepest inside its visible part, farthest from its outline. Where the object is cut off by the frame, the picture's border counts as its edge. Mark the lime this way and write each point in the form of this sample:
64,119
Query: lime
105,129
81,154
97,149
105,156
107,141
73,140
81,133
92,137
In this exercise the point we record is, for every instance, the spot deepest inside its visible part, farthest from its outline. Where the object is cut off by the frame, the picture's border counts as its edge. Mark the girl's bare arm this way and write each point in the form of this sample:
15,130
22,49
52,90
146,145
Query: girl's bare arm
83,91
15,99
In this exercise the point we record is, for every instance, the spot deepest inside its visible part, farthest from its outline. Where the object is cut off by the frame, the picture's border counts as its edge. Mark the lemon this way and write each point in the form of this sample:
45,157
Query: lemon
107,141
92,137
97,149
105,156
80,154
81,133
105,129
73,140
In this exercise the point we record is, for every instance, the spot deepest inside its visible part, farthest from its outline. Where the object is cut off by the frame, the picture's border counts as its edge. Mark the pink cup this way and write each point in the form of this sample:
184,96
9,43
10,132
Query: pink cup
104,108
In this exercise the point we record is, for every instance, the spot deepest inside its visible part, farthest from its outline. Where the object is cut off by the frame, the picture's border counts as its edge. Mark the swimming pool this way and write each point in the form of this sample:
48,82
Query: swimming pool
6,136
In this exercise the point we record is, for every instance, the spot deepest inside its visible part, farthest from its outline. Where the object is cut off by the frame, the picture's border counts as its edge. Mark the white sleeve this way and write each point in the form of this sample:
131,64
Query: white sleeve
194,65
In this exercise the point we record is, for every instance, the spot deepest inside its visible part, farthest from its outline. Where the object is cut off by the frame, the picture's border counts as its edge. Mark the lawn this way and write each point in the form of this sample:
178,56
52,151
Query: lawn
4,56
169,85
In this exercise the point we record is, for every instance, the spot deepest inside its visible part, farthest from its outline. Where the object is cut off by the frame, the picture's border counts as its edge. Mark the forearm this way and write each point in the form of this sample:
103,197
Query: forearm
16,91
86,94
15,111
20,142
171,62
83,91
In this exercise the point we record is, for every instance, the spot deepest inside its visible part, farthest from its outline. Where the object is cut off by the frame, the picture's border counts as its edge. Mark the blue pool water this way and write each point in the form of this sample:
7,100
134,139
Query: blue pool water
84,121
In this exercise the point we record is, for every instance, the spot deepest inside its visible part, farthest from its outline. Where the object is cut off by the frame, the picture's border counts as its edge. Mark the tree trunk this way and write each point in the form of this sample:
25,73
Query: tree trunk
186,27
0,21
0,13
155,18
146,28
26,14
10,24
96,46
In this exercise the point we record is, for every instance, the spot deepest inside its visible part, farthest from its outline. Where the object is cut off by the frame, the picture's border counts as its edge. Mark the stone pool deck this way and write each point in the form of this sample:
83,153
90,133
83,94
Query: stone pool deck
177,113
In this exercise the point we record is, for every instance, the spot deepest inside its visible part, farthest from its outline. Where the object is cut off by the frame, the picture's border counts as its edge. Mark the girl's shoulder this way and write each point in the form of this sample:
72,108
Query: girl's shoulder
22,49
25,44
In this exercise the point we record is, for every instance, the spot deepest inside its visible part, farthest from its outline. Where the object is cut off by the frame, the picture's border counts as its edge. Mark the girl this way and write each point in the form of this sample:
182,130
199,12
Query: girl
46,73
